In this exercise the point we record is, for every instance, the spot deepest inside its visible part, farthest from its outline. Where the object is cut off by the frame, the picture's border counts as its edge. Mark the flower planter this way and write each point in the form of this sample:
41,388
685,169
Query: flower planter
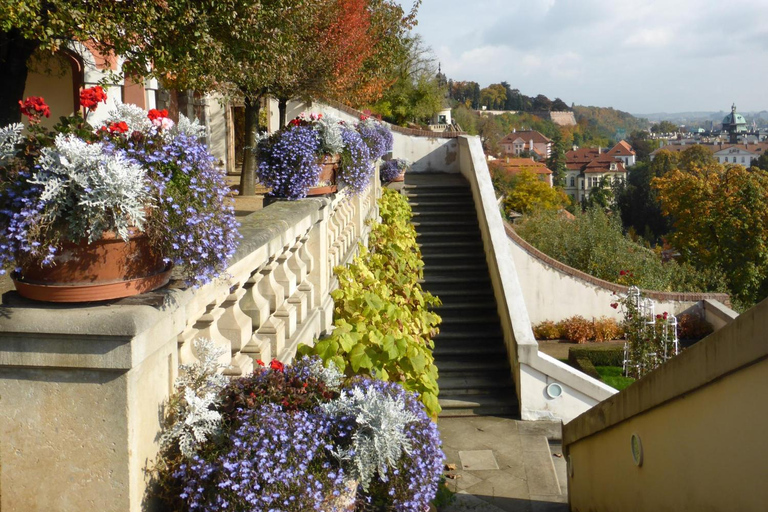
326,181
109,268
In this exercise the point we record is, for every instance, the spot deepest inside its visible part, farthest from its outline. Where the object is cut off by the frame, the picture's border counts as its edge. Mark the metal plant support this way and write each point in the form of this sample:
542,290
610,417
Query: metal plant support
651,338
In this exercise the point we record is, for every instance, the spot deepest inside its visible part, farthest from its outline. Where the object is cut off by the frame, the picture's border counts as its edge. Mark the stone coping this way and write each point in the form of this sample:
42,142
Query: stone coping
118,334
399,129
617,288
737,345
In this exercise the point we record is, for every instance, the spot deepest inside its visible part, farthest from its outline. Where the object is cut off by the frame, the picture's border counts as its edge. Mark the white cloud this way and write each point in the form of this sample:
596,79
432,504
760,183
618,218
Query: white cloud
636,55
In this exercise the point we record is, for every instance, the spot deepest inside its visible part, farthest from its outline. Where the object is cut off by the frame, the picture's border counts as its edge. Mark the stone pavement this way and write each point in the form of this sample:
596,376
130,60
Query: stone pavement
504,465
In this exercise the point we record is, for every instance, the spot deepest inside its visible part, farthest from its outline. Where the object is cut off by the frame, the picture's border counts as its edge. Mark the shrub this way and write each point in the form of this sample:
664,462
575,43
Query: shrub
547,330
599,355
607,329
289,438
693,327
594,243
577,328
383,323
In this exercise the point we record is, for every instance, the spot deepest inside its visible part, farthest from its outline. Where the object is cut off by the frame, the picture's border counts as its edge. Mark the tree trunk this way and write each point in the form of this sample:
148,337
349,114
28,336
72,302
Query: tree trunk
282,108
14,53
248,177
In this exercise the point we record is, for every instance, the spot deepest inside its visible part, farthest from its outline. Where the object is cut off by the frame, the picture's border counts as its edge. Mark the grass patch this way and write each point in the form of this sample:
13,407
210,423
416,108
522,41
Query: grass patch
613,376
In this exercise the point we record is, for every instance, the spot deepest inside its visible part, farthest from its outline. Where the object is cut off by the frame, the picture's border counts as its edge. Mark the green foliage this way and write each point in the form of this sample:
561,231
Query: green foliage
594,243
720,223
556,161
665,127
383,323
600,355
638,204
529,194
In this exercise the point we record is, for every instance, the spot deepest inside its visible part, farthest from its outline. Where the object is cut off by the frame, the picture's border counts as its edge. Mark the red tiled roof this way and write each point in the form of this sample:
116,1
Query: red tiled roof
621,149
515,165
526,136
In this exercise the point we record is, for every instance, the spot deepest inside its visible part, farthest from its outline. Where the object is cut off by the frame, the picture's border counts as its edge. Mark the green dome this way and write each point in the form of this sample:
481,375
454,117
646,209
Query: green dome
734,120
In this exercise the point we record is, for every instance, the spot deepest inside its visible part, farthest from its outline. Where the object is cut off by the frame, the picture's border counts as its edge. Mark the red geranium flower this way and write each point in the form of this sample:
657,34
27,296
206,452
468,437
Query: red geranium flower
665,315
260,362
615,305
34,107
622,272
277,365
120,127
157,114
90,98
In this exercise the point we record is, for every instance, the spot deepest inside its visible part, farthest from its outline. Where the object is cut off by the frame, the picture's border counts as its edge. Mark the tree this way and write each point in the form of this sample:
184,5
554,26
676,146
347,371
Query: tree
642,144
494,97
541,102
48,25
720,220
639,206
476,96
762,162
665,127
556,161
529,194
465,118
559,105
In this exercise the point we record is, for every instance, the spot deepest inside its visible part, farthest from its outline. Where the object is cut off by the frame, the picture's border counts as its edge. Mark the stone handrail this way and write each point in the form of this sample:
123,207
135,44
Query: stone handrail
82,386
533,371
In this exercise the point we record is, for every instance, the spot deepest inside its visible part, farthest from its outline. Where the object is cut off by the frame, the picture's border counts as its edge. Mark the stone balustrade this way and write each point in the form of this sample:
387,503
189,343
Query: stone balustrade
82,386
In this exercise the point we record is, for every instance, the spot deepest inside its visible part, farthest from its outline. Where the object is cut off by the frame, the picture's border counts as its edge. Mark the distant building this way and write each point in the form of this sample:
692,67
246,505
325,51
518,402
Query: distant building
734,124
512,166
742,154
587,168
530,141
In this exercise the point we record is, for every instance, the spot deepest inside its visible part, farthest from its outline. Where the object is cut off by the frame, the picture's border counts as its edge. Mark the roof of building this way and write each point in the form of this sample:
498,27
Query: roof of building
515,165
622,149
605,163
526,136
733,118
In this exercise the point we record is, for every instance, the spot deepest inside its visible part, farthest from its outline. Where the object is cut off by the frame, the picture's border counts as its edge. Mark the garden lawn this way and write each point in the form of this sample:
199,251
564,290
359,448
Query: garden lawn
613,376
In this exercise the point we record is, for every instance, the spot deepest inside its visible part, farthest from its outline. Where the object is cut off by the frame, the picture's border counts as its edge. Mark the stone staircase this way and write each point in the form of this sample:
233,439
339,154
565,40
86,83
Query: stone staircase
475,376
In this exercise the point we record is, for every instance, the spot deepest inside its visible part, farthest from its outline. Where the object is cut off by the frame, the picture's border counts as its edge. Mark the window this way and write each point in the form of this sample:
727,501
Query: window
742,159
573,181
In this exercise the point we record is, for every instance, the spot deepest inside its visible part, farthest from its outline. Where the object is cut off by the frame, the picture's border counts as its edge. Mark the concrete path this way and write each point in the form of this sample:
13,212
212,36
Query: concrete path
504,465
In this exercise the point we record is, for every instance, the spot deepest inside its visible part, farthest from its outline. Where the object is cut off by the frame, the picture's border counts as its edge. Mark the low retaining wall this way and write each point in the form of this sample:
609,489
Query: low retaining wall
554,291
82,386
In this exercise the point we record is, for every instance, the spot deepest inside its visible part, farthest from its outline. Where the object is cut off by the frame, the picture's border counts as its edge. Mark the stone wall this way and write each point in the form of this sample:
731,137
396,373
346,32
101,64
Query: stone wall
82,386
554,291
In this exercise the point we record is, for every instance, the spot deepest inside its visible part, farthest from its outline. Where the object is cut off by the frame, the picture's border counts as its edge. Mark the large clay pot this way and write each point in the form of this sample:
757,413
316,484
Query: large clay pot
326,182
109,268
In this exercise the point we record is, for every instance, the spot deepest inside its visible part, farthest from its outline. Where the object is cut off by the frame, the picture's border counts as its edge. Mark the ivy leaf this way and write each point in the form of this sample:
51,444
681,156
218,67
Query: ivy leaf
358,358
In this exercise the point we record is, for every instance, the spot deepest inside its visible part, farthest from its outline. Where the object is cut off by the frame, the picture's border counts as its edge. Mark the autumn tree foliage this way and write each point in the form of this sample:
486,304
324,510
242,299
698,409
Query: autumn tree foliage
720,221
528,194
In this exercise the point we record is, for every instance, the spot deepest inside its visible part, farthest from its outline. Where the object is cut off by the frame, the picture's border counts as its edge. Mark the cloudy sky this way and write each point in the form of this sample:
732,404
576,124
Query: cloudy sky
641,56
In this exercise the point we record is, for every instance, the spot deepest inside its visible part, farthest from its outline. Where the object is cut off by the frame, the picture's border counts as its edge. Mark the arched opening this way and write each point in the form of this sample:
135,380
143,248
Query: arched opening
57,77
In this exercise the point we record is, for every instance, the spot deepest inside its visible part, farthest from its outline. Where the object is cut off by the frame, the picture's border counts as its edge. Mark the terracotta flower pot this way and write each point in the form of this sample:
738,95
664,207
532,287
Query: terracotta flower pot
400,177
108,268
326,182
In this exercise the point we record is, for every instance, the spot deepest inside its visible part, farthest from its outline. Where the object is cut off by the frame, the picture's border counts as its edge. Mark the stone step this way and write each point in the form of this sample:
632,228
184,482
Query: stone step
448,206
475,384
471,320
441,246
444,350
478,405
453,194
428,225
480,364
453,214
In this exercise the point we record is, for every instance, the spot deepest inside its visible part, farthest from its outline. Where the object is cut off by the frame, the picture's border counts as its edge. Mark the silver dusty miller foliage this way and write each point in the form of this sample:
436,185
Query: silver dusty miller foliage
10,137
93,190
193,410
329,130
380,432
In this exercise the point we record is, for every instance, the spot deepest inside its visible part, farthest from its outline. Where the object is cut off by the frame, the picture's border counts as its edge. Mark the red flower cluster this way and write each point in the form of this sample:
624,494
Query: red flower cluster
277,365
615,305
90,98
663,316
120,127
34,107
157,114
